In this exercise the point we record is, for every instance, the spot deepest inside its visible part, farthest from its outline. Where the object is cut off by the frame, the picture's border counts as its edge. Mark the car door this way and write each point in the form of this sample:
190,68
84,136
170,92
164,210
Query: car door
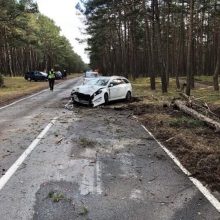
32,76
37,76
123,88
115,89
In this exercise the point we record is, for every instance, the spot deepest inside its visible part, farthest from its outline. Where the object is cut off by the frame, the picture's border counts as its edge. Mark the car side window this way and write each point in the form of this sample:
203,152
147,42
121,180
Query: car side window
125,81
122,81
115,82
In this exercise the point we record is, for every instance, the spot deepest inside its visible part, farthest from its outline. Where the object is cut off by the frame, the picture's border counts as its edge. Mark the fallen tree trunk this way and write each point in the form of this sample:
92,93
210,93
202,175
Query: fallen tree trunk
192,101
182,106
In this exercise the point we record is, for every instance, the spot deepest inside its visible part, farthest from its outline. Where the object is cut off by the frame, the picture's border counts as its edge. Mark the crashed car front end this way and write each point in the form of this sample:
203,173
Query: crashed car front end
93,100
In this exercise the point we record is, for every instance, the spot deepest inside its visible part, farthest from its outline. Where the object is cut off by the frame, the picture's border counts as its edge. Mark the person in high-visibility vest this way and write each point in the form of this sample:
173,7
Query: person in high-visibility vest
51,79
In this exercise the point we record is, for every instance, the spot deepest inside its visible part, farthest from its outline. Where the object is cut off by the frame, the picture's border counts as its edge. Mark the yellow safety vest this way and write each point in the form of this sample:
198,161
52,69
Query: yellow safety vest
51,75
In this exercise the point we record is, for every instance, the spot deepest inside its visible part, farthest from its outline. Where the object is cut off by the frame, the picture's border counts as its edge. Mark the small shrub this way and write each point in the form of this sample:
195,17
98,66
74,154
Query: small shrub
84,142
84,211
55,197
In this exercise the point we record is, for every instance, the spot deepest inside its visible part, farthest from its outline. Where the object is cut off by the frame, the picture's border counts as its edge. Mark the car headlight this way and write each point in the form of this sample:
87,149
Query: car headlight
98,92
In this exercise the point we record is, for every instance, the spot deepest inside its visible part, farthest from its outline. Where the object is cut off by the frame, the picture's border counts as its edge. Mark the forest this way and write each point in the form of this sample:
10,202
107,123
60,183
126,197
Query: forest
155,38
32,41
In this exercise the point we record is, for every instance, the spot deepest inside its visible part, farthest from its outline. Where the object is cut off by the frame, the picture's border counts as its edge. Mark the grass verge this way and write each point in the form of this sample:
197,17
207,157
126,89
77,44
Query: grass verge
194,143
17,87
203,92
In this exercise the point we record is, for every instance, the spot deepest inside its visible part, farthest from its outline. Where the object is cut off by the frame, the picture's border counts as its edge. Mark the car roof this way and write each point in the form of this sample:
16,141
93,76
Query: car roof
116,77
111,77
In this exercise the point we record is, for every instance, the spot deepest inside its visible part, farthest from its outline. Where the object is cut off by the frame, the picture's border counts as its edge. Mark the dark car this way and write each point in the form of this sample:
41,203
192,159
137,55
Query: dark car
35,76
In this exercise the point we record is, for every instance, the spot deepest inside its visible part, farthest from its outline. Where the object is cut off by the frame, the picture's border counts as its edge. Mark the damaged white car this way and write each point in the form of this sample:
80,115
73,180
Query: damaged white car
102,91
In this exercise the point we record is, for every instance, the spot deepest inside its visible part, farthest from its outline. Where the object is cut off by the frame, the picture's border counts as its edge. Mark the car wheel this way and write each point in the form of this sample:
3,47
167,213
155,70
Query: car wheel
106,98
128,96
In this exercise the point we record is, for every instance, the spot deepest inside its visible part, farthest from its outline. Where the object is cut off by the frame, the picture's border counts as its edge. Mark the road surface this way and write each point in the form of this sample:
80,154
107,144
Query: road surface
97,164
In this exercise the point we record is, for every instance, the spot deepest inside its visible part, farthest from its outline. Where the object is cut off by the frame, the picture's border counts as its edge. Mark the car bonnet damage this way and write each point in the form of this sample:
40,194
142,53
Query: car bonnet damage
92,97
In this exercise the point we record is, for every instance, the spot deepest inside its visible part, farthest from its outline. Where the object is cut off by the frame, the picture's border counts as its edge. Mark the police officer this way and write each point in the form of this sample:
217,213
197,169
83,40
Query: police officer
51,79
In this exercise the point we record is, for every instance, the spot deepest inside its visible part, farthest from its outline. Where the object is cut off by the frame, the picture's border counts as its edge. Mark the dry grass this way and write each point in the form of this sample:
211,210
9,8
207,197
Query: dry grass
203,92
17,87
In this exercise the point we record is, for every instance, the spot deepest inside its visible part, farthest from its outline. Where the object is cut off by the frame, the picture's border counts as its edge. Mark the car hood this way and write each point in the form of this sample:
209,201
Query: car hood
87,89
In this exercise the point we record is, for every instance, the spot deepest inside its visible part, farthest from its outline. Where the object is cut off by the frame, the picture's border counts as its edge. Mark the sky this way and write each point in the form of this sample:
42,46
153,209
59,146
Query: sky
64,14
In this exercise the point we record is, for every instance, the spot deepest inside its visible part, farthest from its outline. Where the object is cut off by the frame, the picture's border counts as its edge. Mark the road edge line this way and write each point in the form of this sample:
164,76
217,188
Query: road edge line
29,96
20,100
204,190
4,179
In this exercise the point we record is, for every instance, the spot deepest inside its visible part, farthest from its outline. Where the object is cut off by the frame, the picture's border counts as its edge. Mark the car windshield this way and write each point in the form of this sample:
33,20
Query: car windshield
102,82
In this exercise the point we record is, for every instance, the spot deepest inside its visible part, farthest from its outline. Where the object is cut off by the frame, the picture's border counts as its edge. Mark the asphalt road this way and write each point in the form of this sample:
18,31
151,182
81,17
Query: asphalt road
91,164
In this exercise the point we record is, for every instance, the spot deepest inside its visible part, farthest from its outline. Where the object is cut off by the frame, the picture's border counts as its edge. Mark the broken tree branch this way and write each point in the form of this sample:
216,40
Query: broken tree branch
182,106
192,101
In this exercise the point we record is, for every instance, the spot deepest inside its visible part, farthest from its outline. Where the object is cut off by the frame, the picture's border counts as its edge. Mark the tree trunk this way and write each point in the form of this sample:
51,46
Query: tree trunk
217,68
9,60
214,124
159,46
189,50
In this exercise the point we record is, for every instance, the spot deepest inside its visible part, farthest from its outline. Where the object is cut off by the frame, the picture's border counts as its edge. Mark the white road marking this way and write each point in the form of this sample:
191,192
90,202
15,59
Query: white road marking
28,97
87,183
91,182
212,199
20,100
4,179
98,177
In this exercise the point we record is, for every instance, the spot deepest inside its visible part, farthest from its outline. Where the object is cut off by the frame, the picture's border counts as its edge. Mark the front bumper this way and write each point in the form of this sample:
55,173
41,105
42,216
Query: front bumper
87,99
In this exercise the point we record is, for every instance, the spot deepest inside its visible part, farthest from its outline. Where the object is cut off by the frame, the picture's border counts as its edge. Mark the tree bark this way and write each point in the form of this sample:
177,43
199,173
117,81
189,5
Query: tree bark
159,46
217,68
189,49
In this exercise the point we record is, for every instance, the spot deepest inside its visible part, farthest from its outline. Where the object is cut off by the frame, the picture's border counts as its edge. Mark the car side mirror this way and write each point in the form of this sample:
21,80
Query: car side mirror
110,85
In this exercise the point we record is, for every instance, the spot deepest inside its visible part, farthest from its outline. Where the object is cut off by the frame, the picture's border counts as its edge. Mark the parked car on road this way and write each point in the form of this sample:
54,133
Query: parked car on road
89,75
35,76
45,74
58,75
102,91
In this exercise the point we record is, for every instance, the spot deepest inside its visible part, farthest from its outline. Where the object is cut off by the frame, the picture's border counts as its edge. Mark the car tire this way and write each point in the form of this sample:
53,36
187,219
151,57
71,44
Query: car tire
128,96
106,98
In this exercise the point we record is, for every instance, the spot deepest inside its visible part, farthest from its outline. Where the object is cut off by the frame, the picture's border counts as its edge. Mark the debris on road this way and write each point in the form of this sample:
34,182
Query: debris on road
59,141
